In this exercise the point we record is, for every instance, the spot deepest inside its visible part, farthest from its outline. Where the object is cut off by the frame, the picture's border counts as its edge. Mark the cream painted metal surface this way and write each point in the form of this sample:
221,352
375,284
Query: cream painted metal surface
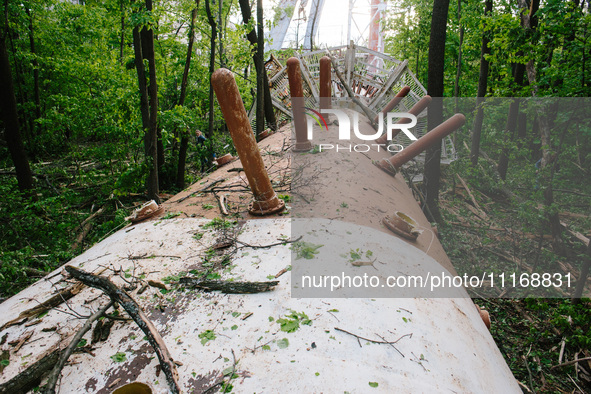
450,349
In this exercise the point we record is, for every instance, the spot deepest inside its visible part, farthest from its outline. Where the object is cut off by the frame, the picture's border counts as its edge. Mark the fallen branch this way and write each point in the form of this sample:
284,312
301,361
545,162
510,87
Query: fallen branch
471,195
571,192
145,256
502,186
283,242
55,373
21,341
508,230
566,364
46,305
30,377
384,342
222,202
228,287
575,234
139,317
209,186
85,227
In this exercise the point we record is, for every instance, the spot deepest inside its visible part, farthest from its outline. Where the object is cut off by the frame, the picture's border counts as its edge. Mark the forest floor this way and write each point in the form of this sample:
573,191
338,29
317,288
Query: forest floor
483,231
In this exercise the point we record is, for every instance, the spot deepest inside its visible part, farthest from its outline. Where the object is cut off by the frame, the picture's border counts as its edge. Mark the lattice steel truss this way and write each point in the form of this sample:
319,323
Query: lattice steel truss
372,85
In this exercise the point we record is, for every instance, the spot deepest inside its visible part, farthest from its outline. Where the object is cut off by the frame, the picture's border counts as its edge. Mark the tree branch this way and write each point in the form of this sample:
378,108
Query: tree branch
137,314
55,373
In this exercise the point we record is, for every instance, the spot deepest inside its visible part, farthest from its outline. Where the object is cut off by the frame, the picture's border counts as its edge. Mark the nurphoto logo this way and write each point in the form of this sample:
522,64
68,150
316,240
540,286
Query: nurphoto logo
345,128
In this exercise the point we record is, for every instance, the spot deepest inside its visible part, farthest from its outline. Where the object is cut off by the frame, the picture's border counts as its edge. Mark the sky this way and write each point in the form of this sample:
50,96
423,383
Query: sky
332,28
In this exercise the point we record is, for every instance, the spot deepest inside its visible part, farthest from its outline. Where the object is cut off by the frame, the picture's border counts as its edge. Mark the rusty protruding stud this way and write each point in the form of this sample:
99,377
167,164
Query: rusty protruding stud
434,136
325,83
394,102
265,200
297,105
415,110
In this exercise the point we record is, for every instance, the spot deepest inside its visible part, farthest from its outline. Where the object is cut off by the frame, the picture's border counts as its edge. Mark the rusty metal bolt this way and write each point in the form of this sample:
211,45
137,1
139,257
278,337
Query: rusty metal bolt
265,200
297,105
394,102
432,137
325,83
415,110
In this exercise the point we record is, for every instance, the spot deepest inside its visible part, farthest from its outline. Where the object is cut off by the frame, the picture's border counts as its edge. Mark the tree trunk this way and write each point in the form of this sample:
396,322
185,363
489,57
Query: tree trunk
521,130
510,127
11,124
180,175
548,167
220,33
36,93
314,25
143,43
152,136
459,65
435,115
482,86
122,34
544,111
213,25
260,109
252,38
141,77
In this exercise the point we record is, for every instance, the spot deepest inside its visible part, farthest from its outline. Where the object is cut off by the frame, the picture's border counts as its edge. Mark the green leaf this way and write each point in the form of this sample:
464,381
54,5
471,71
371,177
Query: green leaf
282,343
373,384
228,371
119,357
82,343
5,362
289,325
292,321
306,250
206,336
234,327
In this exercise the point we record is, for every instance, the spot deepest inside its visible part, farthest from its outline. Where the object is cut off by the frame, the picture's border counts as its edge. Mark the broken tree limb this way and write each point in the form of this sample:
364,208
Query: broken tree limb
137,314
230,287
502,186
283,242
31,377
222,202
46,305
384,342
85,227
55,373
209,186
21,341
570,362
469,193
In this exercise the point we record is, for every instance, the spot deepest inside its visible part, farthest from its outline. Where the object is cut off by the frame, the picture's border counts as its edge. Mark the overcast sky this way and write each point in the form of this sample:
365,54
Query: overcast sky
332,28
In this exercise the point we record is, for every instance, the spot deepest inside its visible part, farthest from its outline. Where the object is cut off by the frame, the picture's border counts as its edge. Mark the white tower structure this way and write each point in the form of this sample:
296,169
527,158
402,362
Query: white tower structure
277,33
313,22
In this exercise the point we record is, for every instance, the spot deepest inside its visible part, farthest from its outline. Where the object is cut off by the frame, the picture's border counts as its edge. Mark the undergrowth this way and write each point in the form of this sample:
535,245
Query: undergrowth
502,234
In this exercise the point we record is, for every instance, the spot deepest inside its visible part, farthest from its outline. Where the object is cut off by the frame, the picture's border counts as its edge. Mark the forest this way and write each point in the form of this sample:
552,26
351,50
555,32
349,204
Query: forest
100,101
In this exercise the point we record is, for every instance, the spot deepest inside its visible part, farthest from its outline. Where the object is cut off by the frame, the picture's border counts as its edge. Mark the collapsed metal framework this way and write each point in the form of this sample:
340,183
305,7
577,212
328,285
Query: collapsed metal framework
373,85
